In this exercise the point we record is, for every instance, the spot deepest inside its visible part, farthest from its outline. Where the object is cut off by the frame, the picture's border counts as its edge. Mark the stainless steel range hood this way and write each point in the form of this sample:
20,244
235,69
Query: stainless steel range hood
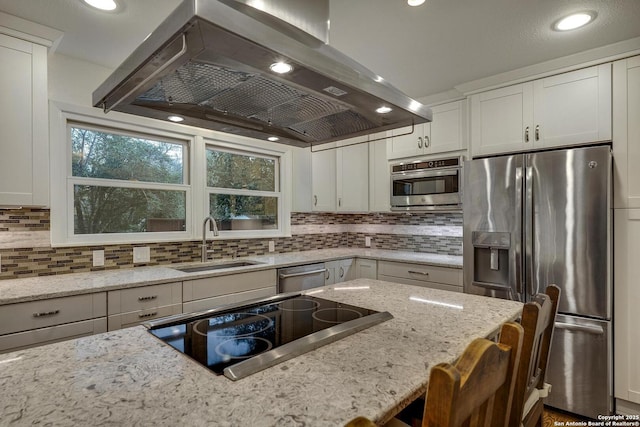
209,63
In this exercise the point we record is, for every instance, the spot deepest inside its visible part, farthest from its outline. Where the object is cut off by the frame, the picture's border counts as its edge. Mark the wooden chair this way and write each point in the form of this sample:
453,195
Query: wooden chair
476,391
538,317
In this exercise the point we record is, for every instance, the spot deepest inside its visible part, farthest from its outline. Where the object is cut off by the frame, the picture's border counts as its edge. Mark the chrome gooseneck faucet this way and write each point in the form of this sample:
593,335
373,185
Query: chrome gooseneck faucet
214,227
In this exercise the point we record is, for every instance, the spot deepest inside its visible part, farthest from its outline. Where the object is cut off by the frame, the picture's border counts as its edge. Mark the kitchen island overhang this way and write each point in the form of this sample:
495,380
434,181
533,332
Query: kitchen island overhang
128,377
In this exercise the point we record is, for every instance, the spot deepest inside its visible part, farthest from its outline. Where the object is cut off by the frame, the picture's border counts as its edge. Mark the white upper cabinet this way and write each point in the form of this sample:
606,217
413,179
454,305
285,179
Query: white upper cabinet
379,177
566,109
445,133
24,135
352,183
323,180
626,133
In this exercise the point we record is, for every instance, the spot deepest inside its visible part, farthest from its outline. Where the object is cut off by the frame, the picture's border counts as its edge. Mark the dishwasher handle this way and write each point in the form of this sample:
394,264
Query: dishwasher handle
304,273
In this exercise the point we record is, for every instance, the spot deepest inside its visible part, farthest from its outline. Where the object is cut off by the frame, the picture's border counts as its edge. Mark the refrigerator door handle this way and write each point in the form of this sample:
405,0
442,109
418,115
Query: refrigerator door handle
595,330
528,228
518,247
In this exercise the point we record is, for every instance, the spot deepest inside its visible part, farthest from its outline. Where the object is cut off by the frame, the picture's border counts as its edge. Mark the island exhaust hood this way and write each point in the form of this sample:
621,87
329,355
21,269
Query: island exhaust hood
210,63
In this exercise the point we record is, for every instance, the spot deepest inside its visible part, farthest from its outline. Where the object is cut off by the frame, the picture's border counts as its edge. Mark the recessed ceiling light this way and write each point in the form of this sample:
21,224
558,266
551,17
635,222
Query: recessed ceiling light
574,21
176,119
281,67
415,2
383,110
273,138
109,5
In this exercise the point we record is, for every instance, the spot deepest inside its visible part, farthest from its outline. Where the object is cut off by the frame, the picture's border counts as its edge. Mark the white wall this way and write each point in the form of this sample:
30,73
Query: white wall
73,81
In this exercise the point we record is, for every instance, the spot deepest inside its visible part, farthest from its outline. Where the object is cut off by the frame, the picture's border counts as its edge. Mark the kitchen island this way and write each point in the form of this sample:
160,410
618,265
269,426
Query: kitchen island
128,377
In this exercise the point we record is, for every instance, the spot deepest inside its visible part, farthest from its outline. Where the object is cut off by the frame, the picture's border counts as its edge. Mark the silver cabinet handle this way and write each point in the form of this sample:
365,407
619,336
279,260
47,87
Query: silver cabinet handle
144,316
419,142
419,272
148,298
596,330
341,272
304,273
537,132
46,313
339,201
427,142
315,200
327,274
526,134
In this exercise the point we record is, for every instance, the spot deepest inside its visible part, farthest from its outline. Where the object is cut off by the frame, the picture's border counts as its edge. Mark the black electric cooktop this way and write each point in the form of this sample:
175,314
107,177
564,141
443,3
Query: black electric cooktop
220,339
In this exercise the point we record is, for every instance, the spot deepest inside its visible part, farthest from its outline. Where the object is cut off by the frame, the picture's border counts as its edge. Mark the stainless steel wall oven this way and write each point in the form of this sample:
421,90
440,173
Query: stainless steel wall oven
427,185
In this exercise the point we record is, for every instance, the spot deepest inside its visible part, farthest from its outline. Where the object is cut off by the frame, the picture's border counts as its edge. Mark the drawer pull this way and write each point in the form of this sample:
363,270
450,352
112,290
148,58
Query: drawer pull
418,272
149,298
46,313
144,316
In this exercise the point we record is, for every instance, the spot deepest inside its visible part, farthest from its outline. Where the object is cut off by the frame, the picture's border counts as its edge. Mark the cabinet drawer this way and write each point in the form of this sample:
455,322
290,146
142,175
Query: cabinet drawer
209,303
223,285
125,320
21,340
55,311
144,297
425,273
432,285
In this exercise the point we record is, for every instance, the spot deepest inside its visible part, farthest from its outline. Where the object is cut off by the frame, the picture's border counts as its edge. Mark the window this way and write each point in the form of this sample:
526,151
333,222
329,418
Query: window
124,182
243,190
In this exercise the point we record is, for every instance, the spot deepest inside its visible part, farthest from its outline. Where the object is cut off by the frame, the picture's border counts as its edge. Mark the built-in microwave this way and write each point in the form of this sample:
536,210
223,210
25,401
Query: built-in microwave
427,184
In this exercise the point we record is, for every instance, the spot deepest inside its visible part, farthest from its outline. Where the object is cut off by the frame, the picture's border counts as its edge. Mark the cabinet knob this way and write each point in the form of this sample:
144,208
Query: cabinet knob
526,134
315,200
46,313
148,298
339,201
537,132
419,142
427,142
341,272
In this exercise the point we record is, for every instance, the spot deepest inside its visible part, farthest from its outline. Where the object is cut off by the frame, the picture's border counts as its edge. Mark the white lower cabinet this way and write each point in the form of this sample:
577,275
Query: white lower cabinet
429,276
366,268
203,294
133,306
339,271
32,323
626,297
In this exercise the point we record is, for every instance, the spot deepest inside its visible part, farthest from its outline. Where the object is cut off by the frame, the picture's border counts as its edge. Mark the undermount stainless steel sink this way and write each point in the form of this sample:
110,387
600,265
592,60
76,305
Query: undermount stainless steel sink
208,267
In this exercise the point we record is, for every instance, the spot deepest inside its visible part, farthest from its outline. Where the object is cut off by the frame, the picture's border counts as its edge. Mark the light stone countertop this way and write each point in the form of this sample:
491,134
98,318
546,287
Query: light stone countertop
35,288
128,377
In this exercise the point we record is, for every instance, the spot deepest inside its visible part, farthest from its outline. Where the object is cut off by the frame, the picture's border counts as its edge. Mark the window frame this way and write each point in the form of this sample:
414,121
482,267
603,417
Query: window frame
281,230
62,201
196,140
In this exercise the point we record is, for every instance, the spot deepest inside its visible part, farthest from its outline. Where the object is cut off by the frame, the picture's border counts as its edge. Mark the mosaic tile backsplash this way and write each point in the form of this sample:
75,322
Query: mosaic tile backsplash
25,251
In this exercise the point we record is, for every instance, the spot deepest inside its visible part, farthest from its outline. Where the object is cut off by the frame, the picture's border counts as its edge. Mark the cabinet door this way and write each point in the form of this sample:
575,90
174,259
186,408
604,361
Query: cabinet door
447,128
626,296
573,108
626,133
366,268
301,180
408,141
24,147
323,180
501,120
352,164
379,177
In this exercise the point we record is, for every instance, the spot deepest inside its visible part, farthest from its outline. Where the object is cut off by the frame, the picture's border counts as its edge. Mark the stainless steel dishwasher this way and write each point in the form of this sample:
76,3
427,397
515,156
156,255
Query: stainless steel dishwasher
301,277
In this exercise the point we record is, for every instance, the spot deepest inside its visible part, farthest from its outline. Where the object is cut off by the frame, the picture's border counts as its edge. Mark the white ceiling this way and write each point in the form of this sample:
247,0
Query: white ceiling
424,51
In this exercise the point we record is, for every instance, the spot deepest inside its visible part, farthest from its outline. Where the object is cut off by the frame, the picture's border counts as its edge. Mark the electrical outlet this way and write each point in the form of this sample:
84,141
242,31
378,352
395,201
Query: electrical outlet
98,258
367,241
272,246
141,254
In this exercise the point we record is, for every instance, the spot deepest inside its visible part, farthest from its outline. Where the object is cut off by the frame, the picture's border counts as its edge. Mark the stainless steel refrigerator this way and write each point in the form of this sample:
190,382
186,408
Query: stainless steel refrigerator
536,219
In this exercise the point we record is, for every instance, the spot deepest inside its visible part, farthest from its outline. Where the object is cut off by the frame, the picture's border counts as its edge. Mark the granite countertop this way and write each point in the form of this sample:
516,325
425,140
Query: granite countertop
128,377
35,288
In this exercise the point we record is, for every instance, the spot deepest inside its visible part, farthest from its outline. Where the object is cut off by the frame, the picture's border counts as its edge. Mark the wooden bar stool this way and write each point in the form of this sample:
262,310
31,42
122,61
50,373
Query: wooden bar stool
478,389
